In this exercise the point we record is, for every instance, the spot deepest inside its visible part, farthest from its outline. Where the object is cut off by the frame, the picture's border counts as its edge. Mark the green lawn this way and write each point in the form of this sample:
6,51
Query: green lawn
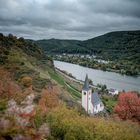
75,93
109,103
72,90
56,77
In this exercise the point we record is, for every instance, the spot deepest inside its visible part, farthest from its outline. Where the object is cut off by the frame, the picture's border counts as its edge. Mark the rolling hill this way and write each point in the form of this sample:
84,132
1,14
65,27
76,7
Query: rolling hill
113,45
61,46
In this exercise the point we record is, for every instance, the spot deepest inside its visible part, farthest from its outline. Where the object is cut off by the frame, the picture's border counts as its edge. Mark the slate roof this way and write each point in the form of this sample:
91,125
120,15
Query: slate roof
86,83
96,99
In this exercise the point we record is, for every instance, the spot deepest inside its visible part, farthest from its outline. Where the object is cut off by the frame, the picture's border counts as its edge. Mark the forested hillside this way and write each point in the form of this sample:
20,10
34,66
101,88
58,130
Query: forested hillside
114,45
61,46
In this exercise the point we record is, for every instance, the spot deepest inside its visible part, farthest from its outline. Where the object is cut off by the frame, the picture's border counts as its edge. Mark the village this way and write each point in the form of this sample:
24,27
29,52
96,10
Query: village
84,56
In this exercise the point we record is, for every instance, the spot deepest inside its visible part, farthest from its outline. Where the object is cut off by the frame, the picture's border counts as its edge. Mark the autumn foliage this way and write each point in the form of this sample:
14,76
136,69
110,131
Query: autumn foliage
48,100
26,81
128,106
17,110
67,124
9,89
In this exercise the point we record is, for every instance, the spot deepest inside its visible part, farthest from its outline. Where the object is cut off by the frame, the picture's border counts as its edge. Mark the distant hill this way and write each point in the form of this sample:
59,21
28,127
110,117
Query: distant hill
61,46
113,45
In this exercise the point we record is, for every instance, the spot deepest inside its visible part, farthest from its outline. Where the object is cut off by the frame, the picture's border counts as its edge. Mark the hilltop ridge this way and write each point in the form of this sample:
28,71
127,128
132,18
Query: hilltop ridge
113,45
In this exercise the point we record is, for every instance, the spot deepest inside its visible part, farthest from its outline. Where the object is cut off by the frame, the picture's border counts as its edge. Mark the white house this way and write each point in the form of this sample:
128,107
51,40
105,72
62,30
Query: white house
91,101
113,91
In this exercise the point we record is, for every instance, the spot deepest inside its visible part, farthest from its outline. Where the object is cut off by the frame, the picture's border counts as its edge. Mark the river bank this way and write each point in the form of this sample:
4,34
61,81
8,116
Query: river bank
79,83
123,67
111,79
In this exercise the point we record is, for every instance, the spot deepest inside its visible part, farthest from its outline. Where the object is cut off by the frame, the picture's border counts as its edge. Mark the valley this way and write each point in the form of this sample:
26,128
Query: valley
69,69
44,103
120,49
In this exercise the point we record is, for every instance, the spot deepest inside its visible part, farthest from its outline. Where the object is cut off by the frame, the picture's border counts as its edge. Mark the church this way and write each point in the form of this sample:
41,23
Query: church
91,102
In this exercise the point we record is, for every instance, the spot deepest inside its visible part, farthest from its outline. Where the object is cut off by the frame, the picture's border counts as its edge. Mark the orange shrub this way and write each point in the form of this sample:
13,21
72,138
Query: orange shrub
48,100
26,81
9,89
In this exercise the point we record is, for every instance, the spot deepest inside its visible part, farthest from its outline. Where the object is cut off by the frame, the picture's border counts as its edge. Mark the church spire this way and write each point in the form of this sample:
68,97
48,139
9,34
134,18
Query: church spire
86,83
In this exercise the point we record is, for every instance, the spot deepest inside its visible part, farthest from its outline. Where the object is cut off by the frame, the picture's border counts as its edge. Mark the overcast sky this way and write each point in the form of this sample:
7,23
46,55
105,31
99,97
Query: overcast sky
68,19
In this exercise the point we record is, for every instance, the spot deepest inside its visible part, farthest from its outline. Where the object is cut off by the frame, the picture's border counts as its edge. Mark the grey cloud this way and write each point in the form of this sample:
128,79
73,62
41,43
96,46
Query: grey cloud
72,19
117,7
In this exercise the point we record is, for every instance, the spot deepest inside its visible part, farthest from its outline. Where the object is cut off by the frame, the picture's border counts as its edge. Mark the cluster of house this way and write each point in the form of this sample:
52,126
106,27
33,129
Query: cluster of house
91,57
113,91
91,101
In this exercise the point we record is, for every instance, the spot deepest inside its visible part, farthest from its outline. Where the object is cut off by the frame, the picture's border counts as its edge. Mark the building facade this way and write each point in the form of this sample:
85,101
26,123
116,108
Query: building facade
91,101
113,91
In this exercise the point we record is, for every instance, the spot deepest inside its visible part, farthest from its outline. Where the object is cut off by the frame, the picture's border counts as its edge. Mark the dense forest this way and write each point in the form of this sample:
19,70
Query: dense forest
113,45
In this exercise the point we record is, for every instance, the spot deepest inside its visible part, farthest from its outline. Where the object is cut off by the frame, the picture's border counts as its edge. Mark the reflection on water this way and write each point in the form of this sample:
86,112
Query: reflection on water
111,79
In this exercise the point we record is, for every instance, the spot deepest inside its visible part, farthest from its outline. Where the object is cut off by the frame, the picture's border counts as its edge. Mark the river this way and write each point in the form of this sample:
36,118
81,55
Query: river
110,79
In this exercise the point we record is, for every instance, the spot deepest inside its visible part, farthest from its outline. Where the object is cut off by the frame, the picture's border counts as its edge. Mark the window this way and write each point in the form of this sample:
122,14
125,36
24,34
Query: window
84,93
96,107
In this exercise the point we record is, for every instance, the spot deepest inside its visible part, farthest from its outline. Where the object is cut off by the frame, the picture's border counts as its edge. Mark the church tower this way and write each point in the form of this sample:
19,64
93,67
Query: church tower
86,96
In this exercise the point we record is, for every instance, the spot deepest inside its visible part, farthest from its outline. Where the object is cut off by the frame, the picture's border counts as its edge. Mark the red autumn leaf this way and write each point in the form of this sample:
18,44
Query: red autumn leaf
128,106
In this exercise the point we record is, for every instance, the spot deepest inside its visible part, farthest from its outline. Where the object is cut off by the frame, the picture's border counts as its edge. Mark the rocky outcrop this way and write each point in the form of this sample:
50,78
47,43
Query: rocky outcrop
24,112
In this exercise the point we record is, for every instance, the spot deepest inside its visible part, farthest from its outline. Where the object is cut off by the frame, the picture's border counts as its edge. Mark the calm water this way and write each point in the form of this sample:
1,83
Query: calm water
111,79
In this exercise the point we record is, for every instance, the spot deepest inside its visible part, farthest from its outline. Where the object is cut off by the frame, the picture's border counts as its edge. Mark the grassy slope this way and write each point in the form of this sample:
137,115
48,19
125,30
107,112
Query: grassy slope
69,125
22,64
60,80
23,58
30,61
109,103
19,64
